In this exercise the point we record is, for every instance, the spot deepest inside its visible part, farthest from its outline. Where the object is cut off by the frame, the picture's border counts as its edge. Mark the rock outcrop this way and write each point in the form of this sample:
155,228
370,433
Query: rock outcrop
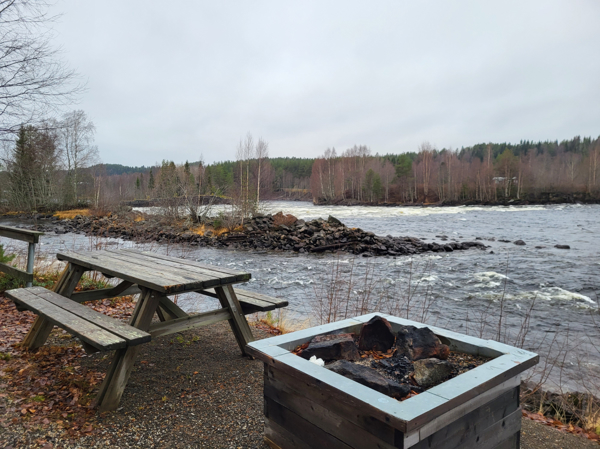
263,232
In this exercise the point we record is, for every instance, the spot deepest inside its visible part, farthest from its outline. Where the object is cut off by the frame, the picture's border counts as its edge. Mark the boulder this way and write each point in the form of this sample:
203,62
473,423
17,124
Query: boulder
430,372
519,242
376,335
369,378
334,221
332,347
420,343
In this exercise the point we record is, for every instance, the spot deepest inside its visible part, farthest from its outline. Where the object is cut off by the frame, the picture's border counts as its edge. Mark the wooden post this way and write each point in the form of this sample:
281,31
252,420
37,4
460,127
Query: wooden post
238,322
118,374
30,260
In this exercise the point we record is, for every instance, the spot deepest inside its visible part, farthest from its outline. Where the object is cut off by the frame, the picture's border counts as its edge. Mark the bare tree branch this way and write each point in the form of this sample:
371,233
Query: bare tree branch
33,79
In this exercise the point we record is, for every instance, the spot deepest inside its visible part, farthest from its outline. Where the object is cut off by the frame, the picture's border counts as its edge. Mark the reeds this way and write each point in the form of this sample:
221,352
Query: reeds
344,293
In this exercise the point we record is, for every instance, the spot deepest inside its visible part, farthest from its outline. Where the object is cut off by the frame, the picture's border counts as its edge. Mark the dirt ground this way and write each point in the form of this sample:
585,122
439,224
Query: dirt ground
195,390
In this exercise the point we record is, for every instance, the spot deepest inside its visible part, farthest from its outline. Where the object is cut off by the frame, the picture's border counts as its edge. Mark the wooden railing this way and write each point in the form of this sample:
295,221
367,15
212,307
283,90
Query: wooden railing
31,237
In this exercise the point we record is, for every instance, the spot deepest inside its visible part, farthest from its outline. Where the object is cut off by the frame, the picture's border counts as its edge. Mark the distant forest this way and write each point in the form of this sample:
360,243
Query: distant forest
485,173
482,173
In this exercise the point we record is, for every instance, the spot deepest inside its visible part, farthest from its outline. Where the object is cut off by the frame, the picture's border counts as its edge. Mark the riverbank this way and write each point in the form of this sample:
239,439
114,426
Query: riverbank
276,232
544,199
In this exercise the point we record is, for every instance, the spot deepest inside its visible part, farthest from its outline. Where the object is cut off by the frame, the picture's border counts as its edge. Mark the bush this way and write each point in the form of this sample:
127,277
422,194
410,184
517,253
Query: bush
6,258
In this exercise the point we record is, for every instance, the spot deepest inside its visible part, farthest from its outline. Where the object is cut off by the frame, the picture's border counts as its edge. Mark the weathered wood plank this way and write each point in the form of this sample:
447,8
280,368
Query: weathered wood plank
108,257
116,379
213,268
237,322
256,295
463,409
323,417
456,432
25,235
129,272
153,276
210,271
496,433
512,442
130,334
172,309
172,271
16,273
39,332
354,412
105,293
188,322
250,296
75,325
276,437
301,428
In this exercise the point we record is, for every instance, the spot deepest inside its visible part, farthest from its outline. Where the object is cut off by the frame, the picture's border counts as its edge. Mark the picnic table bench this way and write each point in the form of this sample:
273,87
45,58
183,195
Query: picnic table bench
93,328
154,277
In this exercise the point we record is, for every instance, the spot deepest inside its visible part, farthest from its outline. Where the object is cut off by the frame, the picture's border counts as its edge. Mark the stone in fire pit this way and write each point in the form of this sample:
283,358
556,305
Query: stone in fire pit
309,406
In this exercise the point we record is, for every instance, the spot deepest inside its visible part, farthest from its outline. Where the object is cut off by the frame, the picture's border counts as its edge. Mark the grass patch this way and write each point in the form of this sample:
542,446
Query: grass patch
70,214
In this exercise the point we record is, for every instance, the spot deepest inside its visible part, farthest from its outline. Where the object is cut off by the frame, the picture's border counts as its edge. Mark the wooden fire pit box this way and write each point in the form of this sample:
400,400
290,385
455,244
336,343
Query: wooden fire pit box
308,406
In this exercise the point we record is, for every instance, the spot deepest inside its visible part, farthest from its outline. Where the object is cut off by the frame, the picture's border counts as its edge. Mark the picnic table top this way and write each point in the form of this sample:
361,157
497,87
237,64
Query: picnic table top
161,273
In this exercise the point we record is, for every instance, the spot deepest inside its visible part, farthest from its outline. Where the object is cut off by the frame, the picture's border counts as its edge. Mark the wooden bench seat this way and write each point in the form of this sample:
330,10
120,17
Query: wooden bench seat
252,302
256,302
93,328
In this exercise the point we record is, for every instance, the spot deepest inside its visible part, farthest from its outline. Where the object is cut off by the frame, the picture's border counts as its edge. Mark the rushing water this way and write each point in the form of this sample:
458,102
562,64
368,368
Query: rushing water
464,287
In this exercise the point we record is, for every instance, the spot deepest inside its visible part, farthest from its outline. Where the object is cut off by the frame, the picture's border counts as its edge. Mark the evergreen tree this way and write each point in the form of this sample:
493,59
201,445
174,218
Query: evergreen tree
151,181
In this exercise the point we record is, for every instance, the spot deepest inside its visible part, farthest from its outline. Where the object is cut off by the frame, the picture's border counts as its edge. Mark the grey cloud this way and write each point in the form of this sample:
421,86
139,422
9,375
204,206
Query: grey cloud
173,80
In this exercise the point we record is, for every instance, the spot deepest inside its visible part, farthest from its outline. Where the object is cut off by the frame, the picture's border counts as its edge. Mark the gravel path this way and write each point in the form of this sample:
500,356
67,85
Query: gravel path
195,390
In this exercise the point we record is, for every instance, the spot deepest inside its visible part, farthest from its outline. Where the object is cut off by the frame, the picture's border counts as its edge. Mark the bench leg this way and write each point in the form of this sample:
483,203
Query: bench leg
112,388
238,322
41,328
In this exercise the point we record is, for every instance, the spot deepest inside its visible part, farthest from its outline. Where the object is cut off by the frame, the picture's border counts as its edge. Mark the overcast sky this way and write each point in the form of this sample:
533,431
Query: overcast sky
174,80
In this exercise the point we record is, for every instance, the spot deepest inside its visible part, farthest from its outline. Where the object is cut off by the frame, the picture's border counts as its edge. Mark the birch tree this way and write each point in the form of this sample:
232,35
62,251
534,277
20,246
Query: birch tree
77,141
261,153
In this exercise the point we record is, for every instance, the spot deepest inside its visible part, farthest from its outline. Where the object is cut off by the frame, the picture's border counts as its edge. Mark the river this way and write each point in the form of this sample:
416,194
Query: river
556,288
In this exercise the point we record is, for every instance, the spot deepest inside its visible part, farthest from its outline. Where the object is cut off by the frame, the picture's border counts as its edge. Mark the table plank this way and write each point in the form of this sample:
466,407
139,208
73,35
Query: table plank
131,334
154,278
172,272
176,268
239,275
92,262
83,329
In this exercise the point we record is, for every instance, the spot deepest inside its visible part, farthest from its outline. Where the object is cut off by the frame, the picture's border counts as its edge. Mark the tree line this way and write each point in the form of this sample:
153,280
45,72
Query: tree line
481,173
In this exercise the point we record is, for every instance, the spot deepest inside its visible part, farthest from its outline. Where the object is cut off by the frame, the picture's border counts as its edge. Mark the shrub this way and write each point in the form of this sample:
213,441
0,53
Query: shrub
6,258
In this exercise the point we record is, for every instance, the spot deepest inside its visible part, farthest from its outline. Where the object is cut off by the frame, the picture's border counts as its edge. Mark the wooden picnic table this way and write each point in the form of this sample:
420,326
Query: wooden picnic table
155,277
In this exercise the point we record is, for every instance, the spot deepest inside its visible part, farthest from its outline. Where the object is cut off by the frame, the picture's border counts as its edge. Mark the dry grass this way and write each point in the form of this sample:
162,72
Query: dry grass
70,214
200,230
217,232
279,320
